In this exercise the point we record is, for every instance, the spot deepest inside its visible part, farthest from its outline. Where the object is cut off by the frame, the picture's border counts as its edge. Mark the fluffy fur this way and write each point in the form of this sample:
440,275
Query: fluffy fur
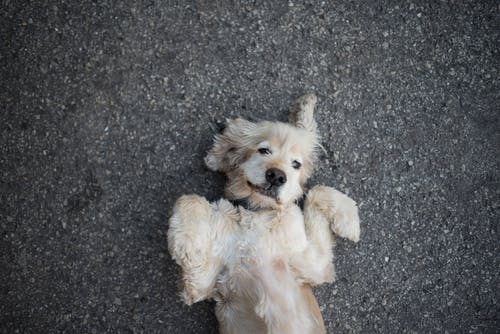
259,263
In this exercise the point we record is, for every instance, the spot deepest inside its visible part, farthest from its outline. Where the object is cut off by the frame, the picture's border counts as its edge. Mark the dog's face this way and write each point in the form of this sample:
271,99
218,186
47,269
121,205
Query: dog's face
266,163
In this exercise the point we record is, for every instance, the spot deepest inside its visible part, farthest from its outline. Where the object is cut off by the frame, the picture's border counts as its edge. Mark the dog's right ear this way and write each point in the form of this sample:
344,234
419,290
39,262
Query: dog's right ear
229,147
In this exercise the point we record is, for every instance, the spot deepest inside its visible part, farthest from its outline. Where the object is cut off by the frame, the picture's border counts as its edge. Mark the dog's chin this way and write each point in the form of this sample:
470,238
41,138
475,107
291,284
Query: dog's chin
265,195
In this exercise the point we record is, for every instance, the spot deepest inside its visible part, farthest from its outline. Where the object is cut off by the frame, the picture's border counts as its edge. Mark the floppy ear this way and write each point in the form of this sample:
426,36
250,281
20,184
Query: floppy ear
301,113
230,146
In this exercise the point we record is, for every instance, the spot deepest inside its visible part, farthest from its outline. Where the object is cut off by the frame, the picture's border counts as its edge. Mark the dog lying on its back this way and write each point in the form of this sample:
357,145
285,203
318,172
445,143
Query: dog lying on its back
256,253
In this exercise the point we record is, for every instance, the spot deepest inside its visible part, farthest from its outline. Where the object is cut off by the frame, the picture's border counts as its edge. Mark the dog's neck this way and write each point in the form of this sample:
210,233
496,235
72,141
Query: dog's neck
246,204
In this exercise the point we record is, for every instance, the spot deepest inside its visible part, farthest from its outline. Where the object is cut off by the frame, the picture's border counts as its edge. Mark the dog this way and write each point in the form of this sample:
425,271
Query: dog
255,252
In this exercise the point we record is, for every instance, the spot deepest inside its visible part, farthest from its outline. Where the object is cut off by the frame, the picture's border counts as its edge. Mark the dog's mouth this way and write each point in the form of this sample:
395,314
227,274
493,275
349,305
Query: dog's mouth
267,190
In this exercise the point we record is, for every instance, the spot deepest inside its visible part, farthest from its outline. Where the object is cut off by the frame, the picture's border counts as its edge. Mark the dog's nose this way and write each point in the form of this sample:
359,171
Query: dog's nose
275,176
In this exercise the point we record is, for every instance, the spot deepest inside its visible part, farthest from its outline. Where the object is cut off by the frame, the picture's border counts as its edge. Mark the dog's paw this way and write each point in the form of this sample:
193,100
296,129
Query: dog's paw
346,219
339,209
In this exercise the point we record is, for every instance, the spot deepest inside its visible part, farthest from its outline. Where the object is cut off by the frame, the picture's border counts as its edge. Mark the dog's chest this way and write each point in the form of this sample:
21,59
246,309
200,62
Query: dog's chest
269,234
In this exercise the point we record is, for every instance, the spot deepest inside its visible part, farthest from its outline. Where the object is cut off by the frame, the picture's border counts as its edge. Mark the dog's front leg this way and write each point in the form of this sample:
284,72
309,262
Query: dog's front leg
191,243
339,209
325,210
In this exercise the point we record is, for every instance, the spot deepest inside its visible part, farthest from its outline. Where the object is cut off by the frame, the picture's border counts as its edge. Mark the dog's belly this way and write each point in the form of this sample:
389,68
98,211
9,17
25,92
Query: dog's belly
258,287
257,294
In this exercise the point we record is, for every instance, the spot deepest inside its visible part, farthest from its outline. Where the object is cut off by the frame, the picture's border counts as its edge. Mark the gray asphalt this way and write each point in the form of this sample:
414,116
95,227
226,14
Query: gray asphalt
107,111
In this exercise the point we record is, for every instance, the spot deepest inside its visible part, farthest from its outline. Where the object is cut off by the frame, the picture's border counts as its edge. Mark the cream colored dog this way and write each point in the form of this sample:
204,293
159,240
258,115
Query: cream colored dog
256,253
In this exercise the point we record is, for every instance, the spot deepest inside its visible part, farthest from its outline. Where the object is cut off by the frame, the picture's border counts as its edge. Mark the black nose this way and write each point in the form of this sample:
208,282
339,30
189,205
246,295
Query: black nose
275,176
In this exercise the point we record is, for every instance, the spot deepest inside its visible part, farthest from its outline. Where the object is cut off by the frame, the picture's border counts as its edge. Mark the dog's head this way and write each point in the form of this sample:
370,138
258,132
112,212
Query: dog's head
267,162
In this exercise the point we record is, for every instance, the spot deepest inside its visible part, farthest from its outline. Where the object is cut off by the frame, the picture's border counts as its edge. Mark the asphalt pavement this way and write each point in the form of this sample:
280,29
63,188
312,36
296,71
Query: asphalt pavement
108,108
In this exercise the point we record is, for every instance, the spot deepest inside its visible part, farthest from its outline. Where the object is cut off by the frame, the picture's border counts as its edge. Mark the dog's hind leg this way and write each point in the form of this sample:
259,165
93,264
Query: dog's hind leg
301,113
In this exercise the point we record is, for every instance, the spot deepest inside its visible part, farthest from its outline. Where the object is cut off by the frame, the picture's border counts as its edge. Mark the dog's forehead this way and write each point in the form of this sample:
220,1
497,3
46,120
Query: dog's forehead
289,143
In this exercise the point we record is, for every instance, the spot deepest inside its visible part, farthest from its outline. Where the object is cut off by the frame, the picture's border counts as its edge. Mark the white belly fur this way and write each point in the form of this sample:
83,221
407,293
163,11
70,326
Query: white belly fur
258,288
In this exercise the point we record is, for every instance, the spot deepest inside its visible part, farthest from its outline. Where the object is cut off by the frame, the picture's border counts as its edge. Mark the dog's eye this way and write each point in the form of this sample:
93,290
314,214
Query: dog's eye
264,150
296,164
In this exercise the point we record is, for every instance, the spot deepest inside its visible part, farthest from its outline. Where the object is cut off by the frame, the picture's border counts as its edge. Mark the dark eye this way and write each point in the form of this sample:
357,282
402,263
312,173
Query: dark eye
296,164
264,150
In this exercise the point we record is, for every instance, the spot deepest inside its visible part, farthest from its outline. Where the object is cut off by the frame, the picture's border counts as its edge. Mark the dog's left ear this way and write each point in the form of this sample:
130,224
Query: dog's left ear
301,113
230,146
